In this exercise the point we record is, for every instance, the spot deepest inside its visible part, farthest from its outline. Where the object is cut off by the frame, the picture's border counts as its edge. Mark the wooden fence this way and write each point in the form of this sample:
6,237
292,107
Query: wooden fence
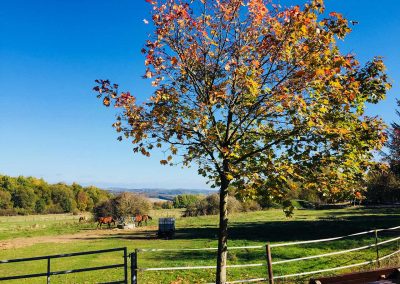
269,264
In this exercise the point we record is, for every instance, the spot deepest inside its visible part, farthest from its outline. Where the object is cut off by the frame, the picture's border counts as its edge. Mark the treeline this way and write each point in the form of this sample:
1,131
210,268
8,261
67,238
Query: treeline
29,195
198,205
384,181
383,187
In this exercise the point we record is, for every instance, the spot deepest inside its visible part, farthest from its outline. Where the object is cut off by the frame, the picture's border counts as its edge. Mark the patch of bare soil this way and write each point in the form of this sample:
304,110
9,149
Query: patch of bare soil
136,233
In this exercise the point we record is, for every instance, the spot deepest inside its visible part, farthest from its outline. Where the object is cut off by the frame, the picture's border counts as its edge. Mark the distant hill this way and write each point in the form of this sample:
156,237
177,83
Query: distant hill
162,193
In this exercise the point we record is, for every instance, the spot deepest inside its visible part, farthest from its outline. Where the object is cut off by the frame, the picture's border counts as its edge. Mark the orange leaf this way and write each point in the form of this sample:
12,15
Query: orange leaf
106,101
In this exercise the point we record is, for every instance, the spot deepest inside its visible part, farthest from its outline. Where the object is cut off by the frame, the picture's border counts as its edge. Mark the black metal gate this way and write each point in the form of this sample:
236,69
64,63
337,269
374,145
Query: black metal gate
49,272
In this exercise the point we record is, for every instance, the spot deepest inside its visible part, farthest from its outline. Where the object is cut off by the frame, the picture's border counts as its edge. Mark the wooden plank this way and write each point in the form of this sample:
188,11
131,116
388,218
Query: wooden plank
359,277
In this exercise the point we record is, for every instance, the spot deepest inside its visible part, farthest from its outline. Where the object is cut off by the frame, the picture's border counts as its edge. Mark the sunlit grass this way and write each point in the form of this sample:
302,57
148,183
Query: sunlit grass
256,228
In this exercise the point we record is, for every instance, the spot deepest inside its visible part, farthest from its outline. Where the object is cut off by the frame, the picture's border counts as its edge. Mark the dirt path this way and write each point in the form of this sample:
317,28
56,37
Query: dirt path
81,236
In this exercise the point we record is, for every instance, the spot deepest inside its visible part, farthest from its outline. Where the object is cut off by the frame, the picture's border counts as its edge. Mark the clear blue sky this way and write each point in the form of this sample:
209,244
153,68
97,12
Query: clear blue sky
51,124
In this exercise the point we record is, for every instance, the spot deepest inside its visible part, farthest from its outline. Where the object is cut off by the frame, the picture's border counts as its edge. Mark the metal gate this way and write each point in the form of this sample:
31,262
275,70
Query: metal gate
49,272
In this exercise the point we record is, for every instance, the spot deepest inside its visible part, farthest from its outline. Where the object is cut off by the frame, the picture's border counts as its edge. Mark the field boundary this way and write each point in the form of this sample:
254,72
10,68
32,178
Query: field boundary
268,264
49,272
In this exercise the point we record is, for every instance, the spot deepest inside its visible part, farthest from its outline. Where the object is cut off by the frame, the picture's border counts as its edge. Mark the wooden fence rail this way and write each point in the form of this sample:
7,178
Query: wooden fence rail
268,264
269,260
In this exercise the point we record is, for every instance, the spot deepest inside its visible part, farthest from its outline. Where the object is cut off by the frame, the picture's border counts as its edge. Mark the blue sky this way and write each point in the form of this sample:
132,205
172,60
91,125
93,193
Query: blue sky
52,125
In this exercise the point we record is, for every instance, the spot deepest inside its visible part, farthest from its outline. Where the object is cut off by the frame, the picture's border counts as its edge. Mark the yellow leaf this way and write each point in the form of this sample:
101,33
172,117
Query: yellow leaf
229,177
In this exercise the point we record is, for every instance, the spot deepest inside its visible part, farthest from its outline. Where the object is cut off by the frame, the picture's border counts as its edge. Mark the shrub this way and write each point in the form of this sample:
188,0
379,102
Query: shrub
267,202
167,205
103,209
123,205
184,200
210,206
8,212
130,204
251,205
54,209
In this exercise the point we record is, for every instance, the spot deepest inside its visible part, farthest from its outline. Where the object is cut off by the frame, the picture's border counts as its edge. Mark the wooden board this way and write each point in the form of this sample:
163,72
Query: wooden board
374,277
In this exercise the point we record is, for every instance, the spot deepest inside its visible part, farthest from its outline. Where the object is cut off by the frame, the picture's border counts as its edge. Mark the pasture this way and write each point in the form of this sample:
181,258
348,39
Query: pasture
25,236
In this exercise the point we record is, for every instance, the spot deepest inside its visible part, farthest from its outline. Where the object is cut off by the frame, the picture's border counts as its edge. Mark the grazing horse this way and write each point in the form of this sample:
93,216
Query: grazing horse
82,219
105,220
139,219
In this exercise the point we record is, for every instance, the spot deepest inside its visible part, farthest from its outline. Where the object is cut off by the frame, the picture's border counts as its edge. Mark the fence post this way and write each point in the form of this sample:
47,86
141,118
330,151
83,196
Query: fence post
48,270
134,266
269,264
125,266
377,249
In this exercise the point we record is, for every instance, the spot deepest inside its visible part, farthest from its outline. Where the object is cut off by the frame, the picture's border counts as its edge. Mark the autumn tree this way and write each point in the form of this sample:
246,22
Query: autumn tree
258,96
123,205
82,200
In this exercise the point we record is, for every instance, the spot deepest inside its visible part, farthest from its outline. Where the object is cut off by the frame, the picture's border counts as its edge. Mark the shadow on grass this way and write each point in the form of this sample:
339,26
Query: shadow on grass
327,224
330,224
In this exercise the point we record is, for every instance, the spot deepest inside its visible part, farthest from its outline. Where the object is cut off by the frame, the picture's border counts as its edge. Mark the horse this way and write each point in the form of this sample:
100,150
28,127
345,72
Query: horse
105,220
82,219
139,219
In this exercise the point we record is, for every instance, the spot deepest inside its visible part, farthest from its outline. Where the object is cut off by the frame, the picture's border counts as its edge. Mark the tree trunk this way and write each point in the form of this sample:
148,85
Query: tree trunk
223,232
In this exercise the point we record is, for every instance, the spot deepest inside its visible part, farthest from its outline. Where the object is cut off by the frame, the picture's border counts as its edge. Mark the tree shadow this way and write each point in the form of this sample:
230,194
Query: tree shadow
330,225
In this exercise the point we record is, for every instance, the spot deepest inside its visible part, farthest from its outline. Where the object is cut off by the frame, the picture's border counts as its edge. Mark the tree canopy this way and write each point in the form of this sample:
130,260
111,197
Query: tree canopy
259,96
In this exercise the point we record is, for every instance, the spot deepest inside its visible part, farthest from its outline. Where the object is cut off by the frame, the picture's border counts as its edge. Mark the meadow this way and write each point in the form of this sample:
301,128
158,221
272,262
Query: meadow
26,236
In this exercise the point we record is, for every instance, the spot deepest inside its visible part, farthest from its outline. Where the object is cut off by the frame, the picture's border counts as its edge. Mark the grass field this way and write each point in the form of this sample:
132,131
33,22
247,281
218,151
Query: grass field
25,236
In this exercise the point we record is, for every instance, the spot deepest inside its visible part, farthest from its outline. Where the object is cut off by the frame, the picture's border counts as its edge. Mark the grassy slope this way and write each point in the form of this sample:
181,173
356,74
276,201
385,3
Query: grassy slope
246,229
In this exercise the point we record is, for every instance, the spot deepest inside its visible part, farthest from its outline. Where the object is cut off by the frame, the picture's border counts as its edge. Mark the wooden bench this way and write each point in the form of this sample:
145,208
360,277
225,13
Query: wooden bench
380,276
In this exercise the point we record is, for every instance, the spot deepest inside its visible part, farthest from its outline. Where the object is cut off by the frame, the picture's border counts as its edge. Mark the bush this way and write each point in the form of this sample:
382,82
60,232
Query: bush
158,205
167,205
184,200
267,202
250,205
22,211
105,208
128,204
210,206
54,209
8,212
123,205
302,204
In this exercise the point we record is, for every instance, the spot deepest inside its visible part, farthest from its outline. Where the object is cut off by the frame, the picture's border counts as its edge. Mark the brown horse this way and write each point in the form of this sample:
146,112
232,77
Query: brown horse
105,220
139,219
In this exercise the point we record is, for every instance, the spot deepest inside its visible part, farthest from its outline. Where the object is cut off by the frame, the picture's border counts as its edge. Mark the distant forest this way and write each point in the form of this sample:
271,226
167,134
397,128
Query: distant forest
27,195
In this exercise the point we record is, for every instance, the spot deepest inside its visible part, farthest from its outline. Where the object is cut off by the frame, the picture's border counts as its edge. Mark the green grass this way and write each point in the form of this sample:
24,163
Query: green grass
39,225
256,228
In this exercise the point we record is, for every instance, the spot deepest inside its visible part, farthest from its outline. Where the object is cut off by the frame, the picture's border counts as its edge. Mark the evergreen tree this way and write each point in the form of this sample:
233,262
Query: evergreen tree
393,156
